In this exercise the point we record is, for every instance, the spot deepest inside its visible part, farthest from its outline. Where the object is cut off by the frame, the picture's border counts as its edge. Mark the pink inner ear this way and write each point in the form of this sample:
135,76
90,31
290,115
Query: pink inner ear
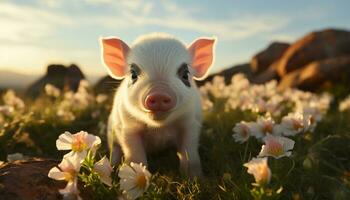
114,52
202,56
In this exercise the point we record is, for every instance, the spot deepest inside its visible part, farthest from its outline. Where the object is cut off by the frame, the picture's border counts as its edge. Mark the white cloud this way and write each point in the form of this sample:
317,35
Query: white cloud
28,26
182,18
24,23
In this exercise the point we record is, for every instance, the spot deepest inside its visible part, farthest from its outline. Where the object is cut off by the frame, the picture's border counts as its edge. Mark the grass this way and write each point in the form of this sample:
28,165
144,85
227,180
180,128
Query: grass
319,167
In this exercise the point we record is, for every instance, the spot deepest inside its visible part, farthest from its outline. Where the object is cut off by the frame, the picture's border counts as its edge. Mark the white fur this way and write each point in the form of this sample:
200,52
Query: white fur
131,129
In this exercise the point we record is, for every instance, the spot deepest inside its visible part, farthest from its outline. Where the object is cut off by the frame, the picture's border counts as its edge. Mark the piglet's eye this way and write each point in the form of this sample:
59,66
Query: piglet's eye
134,72
183,74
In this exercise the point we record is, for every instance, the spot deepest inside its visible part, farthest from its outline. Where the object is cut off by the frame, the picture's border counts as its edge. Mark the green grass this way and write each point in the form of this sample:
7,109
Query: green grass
319,167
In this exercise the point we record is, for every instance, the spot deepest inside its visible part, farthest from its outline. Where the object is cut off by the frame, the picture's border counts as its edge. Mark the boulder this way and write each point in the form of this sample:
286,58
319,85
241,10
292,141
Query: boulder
319,74
73,77
315,46
264,59
265,76
28,180
62,77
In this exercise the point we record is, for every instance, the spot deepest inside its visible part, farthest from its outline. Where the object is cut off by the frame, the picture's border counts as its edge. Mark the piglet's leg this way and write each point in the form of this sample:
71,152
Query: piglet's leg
190,163
114,147
116,152
132,147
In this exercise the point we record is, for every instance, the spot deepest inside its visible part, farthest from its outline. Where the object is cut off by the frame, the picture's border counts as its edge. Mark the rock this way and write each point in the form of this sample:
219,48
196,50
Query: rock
264,59
28,180
62,77
319,74
290,80
315,46
73,77
266,76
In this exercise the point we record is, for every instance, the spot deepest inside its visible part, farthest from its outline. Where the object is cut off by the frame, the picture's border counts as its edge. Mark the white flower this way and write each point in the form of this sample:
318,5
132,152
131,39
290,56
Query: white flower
240,82
345,104
101,98
313,115
294,123
264,127
276,146
67,170
259,168
52,91
104,170
314,112
84,84
134,179
207,104
79,143
10,99
242,131
6,110
65,115
76,101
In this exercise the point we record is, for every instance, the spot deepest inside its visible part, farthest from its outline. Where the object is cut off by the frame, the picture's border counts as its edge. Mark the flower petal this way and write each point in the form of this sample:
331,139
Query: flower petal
127,184
71,188
104,169
134,193
64,141
56,174
126,171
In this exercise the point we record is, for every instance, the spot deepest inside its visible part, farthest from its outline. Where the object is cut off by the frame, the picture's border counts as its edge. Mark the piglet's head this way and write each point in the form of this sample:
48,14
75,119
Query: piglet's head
158,73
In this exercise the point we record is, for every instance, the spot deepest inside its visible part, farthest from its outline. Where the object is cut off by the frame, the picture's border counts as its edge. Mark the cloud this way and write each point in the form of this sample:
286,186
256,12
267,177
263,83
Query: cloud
183,18
29,41
24,23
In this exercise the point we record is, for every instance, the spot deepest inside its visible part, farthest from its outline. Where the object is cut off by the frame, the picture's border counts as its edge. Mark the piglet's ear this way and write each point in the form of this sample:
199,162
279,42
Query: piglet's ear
202,52
114,53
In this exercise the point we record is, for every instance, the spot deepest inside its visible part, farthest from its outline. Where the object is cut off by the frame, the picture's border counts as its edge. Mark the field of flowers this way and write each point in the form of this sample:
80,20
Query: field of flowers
256,143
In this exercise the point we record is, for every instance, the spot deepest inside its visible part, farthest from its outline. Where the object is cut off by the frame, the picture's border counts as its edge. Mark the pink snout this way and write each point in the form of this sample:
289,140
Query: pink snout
159,101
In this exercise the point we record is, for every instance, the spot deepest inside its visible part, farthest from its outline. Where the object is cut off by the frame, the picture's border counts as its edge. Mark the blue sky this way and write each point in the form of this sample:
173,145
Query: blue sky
35,33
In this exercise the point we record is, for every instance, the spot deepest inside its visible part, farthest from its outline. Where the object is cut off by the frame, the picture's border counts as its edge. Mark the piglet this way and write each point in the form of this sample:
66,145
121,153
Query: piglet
157,103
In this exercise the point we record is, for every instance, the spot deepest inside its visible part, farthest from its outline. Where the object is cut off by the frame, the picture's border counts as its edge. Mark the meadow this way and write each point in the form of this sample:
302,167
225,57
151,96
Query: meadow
306,138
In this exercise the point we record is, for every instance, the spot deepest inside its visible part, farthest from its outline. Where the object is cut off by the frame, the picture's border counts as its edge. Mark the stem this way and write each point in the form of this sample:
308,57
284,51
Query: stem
245,151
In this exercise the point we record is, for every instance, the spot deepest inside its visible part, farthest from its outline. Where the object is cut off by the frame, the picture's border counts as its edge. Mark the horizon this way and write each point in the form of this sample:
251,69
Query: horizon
41,32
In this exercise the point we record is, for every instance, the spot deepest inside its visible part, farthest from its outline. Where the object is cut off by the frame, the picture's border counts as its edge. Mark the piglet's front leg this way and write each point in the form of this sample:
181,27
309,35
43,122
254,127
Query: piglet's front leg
132,146
188,140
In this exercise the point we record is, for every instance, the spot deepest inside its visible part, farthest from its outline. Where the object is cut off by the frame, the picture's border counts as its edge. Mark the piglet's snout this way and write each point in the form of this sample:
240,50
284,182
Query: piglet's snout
159,101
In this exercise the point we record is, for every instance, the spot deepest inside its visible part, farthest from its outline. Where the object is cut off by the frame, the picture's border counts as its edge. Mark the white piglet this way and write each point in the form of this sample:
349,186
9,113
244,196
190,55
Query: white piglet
158,103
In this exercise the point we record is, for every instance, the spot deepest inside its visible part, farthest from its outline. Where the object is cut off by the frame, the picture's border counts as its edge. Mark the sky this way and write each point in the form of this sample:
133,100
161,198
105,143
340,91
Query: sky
35,33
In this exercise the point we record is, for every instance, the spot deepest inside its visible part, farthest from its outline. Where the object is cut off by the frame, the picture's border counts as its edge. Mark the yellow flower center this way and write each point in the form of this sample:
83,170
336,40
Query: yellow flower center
79,145
312,119
245,131
263,175
267,129
69,176
297,125
141,181
275,148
